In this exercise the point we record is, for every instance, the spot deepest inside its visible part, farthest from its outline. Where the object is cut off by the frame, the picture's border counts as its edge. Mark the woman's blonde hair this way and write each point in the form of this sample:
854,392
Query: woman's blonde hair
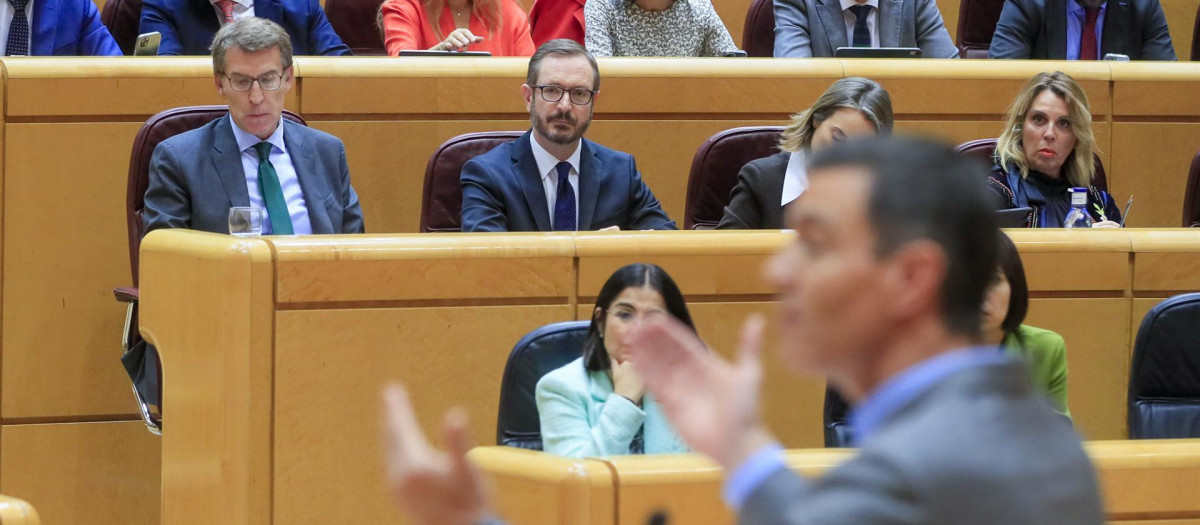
488,10
1079,167
863,94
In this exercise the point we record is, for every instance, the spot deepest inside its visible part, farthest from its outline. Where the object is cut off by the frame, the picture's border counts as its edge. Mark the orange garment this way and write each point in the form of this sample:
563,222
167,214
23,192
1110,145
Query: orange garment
406,26
550,19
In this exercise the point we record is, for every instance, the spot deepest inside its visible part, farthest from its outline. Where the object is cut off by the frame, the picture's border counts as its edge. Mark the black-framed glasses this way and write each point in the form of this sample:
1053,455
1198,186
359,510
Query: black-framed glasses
579,96
268,82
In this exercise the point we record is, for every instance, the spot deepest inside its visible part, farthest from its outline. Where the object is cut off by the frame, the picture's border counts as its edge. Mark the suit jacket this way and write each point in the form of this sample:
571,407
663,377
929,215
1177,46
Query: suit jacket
979,447
502,191
188,26
551,19
1037,29
582,417
754,202
1046,353
196,176
816,28
69,28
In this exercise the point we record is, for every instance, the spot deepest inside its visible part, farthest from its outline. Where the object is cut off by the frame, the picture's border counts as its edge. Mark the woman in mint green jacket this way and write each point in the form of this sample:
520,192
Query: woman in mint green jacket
597,405
1004,310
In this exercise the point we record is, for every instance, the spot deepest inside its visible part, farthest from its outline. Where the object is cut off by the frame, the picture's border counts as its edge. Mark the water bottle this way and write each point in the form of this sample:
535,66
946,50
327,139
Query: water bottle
1078,217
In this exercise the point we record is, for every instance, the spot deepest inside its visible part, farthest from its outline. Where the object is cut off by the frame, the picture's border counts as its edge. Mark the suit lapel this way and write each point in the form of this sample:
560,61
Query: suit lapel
227,161
590,168
1056,28
1117,20
890,18
833,23
311,184
525,172
270,10
43,29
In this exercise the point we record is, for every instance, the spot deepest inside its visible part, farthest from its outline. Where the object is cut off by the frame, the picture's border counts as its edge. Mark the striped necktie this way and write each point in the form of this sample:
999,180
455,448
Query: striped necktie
862,33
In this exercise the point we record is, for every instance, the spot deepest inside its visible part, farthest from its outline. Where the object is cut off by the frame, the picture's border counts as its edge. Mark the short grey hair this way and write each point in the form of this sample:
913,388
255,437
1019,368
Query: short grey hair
563,47
250,34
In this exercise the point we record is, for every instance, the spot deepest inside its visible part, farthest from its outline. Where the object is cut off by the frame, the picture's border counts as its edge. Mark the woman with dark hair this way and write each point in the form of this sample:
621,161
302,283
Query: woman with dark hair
1004,309
597,405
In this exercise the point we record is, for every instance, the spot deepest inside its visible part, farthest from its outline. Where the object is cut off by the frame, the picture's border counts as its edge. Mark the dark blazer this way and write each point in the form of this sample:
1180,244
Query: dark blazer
196,176
981,446
754,201
188,26
816,28
1037,29
69,28
502,191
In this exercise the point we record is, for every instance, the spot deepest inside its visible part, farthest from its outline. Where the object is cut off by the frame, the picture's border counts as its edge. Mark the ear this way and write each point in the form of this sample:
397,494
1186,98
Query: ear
527,94
914,278
218,80
598,318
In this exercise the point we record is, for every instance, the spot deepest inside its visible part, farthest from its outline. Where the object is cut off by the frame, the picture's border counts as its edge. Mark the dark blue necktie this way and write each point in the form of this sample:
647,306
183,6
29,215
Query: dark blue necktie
862,34
18,31
564,205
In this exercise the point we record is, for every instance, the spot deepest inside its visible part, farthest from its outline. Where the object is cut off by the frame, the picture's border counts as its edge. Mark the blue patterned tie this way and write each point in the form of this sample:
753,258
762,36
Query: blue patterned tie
862,34
18,32
564,206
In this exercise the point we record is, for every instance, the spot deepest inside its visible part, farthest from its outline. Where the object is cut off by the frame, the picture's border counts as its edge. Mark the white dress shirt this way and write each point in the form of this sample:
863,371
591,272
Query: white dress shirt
6,17
872,20
795,178
241,9
546,164
282,162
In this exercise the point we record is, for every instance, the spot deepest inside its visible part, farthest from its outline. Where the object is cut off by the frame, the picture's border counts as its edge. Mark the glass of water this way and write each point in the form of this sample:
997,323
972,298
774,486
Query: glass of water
246,221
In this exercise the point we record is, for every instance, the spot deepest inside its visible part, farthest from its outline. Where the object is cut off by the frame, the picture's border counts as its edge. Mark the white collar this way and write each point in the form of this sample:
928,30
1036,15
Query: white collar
795,179
546,162
243,3
846,4
245,140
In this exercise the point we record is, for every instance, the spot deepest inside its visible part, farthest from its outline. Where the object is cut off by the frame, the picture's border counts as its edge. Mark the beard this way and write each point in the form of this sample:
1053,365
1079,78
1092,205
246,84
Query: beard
542,126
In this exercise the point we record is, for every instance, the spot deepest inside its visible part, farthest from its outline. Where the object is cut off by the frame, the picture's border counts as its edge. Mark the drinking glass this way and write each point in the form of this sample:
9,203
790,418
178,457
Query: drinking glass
246,221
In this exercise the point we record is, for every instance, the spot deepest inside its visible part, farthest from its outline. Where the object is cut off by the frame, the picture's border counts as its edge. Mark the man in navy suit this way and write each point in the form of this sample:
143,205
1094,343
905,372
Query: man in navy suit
188,26
1082,30
60,27
552,178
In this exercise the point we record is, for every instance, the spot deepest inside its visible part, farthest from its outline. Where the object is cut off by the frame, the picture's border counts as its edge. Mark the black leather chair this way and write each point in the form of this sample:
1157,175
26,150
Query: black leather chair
715,169
985,150
441,202
838,432
1164,377
758,35
539,352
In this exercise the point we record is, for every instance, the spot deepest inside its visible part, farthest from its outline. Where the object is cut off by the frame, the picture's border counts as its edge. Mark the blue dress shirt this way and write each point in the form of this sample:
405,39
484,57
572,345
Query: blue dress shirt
886,400
292,193
1076,16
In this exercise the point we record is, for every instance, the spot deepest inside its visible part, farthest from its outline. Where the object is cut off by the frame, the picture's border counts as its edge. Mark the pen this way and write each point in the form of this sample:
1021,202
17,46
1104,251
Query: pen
1126,214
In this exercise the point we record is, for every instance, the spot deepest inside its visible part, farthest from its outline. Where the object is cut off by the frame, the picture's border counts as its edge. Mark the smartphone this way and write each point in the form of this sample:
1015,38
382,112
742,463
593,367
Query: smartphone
738,53
147,44
1116,57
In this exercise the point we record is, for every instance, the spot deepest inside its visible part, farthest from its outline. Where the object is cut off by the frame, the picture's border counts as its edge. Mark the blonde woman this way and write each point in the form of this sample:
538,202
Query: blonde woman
852,106
499,27
1046,149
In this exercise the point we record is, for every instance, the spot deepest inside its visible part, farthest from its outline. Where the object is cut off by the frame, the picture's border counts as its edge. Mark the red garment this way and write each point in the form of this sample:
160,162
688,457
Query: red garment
406,26
1087,37
551,19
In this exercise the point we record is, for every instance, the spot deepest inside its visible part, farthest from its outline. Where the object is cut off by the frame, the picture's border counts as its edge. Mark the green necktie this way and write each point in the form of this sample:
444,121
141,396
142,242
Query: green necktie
272,192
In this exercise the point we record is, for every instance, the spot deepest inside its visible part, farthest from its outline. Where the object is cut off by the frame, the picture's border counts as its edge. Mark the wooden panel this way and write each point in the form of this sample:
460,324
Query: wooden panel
533,487
1154,89
330,368
733,13
1154,159
94,473
535,266
1148,479
1181,16
1097,359
1166,261
60,318
206,304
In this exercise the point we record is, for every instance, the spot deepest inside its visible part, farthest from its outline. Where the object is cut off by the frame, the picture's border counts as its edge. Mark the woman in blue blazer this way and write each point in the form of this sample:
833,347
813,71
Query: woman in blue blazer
597,405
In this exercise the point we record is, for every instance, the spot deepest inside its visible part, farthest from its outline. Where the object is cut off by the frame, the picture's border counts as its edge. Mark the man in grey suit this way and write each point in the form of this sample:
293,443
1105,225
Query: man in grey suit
252,156
816,28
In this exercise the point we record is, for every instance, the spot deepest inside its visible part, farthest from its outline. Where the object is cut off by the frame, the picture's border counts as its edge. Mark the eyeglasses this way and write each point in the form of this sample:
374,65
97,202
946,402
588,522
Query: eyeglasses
268,82
579,96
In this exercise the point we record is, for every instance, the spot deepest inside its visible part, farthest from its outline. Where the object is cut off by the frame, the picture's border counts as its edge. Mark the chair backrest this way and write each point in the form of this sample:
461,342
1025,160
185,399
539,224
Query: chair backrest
985,150
758,35
836,416
539,352
441,203
1196,37
122,18
1164,376
160,127
976,23
715,169
1191,197
355,22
